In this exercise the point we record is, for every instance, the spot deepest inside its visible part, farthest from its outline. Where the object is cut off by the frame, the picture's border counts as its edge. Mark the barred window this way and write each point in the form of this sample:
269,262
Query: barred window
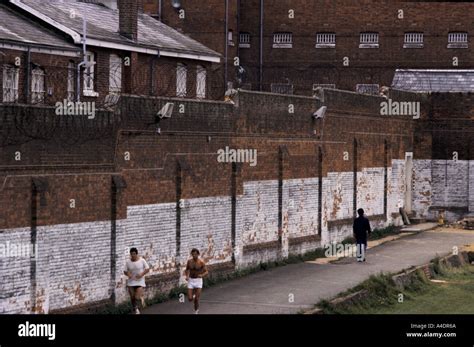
413,37
413,40
115,74
369,40
457,37
71,81
181,80
372,89
10,83
282,40
201,75
89,75
282,88
244,40
37,85
457,40
325,40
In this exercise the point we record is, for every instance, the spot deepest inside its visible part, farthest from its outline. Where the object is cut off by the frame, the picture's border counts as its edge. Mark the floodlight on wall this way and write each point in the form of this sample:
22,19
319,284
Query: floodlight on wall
319,114
166,111
176,4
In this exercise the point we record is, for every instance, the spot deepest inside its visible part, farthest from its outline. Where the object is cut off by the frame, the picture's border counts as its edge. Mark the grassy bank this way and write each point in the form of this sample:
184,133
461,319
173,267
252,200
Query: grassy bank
451,291
455,295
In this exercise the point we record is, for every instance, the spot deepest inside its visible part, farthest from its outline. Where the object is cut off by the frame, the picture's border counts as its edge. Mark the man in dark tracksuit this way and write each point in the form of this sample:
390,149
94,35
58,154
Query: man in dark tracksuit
361,229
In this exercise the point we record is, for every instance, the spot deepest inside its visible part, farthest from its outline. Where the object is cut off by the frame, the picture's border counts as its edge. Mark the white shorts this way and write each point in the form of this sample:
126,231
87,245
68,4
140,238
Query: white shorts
195,283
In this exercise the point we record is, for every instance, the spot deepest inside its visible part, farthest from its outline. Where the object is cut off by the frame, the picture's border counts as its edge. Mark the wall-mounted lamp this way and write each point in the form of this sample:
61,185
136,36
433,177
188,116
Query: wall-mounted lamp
320,112
176,4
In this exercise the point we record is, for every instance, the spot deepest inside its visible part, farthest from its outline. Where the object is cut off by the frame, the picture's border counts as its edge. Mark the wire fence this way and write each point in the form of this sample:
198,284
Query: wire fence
38,84
95,92
304,80
66,106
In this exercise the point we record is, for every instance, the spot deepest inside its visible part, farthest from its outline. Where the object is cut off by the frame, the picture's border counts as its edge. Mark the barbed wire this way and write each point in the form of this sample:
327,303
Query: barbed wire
40,102
53,88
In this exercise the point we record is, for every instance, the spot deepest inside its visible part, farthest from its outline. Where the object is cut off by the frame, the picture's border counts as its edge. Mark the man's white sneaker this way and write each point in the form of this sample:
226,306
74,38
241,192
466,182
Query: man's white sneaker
137,311
196,311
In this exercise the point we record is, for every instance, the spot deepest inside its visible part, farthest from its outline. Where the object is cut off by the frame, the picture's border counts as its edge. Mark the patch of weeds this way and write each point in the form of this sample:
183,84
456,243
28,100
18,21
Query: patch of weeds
377,233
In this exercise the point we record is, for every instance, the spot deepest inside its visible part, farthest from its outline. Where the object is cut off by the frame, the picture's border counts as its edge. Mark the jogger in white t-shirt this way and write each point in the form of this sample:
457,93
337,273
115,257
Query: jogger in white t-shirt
135,269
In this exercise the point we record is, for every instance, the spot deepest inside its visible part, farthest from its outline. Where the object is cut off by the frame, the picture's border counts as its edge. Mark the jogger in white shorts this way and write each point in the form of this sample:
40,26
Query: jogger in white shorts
135,269
195,271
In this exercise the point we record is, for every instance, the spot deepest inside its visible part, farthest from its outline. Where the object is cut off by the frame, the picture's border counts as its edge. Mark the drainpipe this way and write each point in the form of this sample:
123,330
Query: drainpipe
28,72
160,7
261,46
237,37
84,62
226,43
153,85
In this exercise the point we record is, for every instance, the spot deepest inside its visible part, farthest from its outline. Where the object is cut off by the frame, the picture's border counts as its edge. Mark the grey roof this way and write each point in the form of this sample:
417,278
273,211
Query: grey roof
441,81
16,29
103,24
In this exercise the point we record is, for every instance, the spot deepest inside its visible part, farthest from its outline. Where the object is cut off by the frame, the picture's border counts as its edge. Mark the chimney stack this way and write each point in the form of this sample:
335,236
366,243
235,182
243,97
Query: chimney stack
128,18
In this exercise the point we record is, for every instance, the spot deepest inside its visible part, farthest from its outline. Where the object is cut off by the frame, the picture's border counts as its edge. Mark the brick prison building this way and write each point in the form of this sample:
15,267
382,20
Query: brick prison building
295,46
127,53
26,49
82,191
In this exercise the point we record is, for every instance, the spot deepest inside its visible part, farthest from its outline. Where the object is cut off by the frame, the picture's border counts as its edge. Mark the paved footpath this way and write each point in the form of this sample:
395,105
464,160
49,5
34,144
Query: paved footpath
268,292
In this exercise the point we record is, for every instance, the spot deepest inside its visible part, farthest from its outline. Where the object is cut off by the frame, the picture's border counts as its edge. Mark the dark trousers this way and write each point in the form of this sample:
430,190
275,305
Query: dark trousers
361,249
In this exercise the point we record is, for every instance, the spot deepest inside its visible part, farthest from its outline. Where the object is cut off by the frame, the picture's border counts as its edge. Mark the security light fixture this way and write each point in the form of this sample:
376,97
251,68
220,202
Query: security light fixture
176,4
320,112
166,111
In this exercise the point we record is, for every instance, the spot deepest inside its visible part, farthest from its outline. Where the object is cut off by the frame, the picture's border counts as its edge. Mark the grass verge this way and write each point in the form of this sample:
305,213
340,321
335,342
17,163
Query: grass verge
452,292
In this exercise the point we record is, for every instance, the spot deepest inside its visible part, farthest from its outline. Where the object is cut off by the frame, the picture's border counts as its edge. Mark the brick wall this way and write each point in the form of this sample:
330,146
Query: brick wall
304,65
444,146
55,68
204,22
145,75
166,193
